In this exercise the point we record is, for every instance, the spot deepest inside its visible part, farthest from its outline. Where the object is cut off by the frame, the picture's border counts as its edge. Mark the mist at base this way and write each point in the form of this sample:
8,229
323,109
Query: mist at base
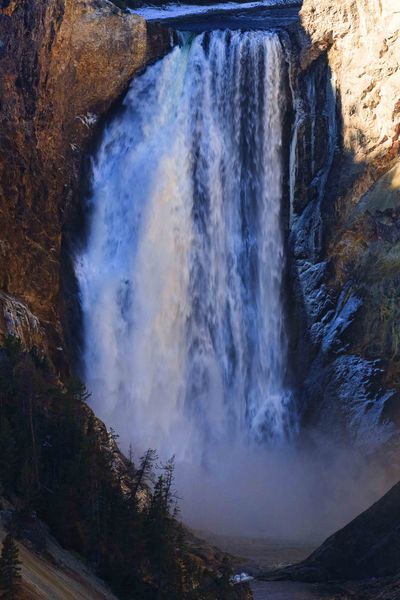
286,493
181,284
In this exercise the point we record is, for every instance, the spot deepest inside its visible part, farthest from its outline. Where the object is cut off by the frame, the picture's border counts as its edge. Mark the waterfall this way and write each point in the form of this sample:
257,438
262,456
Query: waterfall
181,276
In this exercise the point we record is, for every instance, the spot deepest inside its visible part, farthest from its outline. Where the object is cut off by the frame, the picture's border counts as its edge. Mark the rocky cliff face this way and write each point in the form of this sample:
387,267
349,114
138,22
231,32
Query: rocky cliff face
345,232
361,38
63,63
366,548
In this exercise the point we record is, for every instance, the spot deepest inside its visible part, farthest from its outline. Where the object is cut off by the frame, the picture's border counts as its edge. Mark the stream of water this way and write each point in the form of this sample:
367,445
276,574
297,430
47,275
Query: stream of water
181,278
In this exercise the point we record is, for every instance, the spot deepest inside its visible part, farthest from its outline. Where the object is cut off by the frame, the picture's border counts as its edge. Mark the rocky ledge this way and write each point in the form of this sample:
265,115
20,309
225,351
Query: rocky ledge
63,63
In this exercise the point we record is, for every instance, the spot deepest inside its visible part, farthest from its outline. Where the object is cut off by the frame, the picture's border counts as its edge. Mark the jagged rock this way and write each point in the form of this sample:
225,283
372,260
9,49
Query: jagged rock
63,63
353,225
350,401
17,320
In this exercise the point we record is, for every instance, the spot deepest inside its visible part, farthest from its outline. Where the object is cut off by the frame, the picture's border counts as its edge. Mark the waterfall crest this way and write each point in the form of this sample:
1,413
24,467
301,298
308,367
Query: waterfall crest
181,277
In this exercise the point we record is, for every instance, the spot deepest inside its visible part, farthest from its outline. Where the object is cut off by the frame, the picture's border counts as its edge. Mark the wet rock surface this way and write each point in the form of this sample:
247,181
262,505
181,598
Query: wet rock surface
345,216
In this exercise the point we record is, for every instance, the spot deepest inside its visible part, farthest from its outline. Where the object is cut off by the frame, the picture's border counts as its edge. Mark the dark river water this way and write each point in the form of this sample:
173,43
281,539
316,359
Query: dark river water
256,555
287,590
247,16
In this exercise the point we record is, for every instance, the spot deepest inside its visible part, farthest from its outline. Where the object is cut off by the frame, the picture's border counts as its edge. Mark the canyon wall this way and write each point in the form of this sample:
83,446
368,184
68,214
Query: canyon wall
63,63
345,232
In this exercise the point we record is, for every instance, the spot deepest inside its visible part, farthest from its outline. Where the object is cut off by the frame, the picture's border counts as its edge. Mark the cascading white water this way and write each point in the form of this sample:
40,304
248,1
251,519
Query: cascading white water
181,289
181,277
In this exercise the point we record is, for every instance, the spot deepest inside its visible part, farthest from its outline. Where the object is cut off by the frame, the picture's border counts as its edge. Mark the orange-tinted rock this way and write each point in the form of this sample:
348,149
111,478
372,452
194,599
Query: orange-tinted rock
62,63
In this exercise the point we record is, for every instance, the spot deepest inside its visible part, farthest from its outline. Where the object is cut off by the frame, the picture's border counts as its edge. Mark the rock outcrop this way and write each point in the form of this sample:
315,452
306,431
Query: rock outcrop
367,547
345,215
62,63
361,38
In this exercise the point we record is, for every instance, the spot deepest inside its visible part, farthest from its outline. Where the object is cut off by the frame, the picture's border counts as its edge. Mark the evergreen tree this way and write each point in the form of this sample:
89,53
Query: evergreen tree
144,476
13,347
224,583
77,390
9,568
58,460
8,455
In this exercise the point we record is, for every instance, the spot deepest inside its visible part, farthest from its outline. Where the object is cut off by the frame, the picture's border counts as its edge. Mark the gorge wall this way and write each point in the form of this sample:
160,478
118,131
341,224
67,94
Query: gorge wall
345,211
63,63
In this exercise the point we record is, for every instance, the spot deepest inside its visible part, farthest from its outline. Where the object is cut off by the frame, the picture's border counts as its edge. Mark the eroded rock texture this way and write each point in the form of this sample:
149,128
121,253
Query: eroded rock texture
62,64
345,228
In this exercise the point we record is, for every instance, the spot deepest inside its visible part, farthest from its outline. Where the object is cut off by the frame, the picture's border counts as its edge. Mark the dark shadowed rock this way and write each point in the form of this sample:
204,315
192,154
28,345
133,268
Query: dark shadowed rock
369,546
344,232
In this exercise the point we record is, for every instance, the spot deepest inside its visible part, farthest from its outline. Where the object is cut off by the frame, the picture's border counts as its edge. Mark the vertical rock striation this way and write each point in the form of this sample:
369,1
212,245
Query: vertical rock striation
62,64
345,230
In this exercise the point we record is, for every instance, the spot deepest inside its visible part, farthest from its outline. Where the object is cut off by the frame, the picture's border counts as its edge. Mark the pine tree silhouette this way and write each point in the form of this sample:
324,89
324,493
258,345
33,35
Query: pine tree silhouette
9,569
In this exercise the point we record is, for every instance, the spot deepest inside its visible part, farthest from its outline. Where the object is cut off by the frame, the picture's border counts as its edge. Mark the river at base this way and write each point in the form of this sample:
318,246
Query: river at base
255,555
289,590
